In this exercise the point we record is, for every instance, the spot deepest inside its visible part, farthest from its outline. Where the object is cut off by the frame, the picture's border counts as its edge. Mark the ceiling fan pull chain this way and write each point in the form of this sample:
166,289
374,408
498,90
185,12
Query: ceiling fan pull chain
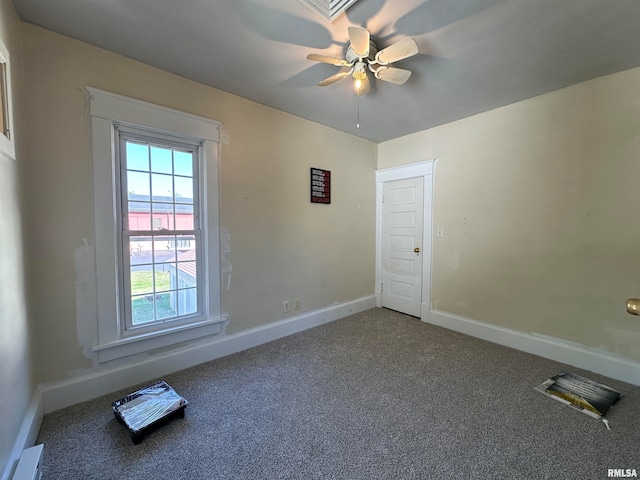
358,108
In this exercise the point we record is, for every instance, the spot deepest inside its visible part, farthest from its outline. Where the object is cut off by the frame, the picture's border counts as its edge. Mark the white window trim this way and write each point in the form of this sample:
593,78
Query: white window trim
108,110
7,145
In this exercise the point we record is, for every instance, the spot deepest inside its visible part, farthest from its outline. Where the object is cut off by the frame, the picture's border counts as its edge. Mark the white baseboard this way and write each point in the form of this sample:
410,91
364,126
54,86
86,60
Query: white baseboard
592,359
28,432
69,392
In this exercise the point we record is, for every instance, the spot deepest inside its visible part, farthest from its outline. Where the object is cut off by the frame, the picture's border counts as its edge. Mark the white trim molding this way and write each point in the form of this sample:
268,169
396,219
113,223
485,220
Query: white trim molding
580,356
28,433
131,111
7,143
110,112
69,392
426,170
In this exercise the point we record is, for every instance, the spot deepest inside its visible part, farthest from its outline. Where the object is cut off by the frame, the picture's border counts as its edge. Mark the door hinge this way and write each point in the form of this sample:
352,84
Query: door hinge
381,287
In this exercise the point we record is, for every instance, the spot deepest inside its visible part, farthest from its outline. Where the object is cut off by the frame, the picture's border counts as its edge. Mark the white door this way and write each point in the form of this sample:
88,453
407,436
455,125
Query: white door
402,227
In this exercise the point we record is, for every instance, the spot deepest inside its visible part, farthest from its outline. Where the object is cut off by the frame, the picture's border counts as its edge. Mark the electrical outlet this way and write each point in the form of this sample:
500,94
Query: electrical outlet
296,304
286,306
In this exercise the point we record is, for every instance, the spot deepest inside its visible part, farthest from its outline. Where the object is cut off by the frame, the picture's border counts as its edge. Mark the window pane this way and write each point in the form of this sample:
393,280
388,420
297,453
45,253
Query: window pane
183,163
161,160
184,190
184,217
138,186
187,301
172,269
139,250
138,215
137,157
164,249
186,246
164,211
162,187
141,279
142,309
186,274
162,276
166,305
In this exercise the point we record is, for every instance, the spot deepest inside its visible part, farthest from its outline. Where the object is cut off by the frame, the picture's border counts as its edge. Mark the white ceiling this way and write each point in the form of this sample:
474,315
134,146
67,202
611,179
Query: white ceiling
475,55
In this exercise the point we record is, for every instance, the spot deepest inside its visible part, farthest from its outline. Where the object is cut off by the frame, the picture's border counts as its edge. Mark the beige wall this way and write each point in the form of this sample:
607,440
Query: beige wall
282,247
17,380
539,204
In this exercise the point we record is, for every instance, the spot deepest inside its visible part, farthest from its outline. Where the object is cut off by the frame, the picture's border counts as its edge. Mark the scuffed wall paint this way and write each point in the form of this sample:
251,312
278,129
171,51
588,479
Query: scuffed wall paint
18,374
225,137
225,257
624,339
283,246
86,298
535,201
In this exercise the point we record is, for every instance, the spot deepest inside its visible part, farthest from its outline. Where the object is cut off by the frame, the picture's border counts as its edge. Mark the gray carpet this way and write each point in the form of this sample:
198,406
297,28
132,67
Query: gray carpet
378,395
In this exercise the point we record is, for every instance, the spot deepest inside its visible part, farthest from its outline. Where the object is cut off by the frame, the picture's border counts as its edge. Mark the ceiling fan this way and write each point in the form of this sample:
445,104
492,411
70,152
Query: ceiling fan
362,55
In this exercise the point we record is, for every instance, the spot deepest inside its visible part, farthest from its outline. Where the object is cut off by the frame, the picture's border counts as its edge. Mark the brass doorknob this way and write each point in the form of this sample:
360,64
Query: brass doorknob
417,249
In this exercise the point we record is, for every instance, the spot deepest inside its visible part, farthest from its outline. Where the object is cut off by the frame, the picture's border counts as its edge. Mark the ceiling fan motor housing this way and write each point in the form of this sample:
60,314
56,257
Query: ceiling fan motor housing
352,58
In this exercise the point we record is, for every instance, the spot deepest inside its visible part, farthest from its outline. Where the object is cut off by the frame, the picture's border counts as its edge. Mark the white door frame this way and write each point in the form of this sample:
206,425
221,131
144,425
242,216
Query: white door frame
426,170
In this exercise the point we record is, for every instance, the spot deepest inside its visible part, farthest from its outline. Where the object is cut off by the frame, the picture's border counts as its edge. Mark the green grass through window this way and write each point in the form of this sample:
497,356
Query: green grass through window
142,309
142,282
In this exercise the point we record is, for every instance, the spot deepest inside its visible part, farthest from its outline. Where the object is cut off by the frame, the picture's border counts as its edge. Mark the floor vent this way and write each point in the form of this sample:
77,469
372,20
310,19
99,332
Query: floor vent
29,464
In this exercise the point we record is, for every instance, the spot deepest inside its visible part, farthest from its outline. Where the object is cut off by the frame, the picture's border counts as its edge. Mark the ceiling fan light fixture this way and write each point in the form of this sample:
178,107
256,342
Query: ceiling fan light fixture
360,71
328,9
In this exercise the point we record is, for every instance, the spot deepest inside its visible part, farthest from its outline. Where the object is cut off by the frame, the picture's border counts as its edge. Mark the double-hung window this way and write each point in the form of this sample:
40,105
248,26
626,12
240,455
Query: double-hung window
161,227
157,225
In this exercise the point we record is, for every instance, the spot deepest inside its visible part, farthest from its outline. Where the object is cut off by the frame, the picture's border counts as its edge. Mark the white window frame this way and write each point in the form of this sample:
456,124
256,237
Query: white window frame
7,145
108,111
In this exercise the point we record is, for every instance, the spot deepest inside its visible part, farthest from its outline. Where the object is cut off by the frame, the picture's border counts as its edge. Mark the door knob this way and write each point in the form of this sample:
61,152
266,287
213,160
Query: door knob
417,249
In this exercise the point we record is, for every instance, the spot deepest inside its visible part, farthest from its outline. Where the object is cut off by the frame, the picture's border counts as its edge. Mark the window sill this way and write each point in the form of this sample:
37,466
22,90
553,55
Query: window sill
126,346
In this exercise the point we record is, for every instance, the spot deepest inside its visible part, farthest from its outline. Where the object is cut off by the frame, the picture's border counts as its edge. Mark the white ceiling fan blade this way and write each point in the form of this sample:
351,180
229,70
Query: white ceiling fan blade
398,51
359,38
393,75
339,62
345,72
